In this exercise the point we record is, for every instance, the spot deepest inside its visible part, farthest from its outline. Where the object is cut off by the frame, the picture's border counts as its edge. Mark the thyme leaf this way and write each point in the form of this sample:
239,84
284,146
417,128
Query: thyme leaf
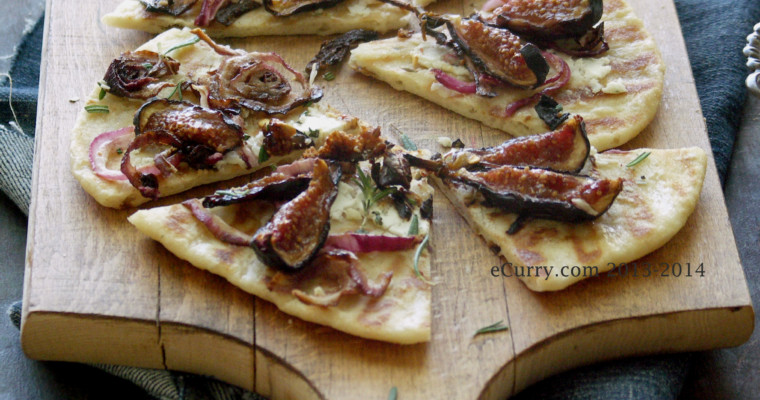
495,327
639,159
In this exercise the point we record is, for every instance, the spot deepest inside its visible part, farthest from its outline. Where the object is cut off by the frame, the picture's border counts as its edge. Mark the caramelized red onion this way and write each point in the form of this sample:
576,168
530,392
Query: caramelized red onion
217,226
553,85
138,74
104,145
209,8
360,243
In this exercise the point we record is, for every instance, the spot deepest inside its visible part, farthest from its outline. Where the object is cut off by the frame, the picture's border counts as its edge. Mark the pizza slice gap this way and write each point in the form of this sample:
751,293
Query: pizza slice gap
551,200
182,111
475,68
331,238
228,18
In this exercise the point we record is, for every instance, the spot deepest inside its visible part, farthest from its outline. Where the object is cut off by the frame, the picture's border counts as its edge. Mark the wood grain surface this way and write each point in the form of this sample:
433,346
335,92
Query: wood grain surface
98,291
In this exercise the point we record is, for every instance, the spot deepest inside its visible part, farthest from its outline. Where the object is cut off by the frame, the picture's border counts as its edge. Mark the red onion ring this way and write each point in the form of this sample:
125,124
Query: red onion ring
551,86
452,83
102,146
297,167
208,12
491,5
220,229
358,243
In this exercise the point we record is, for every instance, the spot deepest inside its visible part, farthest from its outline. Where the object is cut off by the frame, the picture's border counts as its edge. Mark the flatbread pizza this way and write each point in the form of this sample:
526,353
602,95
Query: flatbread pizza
249,18
486,73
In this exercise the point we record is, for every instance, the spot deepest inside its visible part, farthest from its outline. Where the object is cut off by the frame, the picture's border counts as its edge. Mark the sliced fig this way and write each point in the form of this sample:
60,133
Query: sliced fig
275,187
259,82
498,53
565,150
334,51
538,193
190,123
548,19
283,8
340,146
394,171
171,7
281,139
232,11
296,232
138,74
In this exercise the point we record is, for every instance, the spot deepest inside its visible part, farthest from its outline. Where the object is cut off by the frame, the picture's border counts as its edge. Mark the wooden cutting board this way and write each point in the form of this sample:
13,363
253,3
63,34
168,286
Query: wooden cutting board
96,290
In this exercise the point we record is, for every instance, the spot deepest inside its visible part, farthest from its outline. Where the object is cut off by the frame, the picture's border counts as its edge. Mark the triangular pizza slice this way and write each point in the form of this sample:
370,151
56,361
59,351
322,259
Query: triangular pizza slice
338,238
612,74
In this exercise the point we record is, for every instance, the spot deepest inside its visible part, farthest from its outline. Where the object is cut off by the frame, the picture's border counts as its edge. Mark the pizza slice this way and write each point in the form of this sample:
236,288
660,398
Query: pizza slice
494,65
240,18
338,238
182,111
550,203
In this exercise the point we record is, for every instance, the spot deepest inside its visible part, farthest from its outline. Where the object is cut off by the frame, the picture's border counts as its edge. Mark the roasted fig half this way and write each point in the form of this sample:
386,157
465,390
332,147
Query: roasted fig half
281,139
498,53
547,19
137,74
275,187
283,8
340,146
296,232
538,193
232,11
394,171
565,150
171,7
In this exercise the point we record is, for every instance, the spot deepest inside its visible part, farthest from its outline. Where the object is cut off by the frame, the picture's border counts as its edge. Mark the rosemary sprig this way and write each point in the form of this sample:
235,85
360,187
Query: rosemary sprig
97,108
639,159
495,327
414,226
417,260
393,394
176,90
190,42
370,193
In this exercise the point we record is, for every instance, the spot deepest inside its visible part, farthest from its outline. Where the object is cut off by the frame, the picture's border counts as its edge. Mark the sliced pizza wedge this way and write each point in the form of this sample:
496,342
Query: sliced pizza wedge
334,238
543,212
182,111
473,67
230,18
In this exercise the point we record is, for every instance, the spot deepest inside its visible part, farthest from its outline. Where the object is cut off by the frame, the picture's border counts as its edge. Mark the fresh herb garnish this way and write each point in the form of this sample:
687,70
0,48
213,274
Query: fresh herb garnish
639,159
103,89
190,42
246,137
550,112
328,76
102,94
97,108
495,327
313,133
417,260
378,218
119,151
263,155
414,226
407,143
148,66
176,90
370,192
393,394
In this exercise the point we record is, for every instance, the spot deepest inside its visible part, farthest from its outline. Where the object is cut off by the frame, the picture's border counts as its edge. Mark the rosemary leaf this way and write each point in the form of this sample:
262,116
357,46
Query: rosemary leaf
97,108
263,155
639,159
313,133
381,195
328,76
176,89
417,260
414,226
407,143
393,395
190,42
495,327
148,66
102,94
